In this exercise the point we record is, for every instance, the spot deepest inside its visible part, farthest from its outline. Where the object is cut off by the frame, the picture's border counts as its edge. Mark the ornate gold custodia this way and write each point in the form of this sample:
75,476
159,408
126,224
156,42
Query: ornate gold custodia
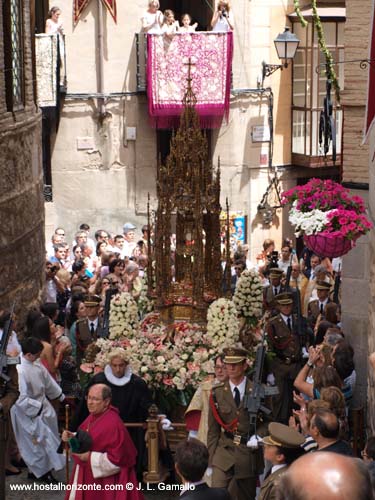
189,195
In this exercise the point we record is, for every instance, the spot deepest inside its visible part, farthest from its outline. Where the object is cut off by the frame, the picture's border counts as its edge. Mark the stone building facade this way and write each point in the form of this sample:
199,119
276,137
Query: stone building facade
101,177
22,251
355,175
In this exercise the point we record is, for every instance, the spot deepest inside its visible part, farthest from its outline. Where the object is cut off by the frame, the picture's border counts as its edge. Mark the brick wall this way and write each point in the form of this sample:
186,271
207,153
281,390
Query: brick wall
353,97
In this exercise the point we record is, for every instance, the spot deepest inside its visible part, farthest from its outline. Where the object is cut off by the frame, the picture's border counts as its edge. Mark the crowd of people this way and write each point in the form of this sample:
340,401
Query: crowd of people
156,22
309,361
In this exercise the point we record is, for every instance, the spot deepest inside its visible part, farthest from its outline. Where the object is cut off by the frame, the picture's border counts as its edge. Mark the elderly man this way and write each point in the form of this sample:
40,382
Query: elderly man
235,459
130,396
325,430
112,455
129,237
326,476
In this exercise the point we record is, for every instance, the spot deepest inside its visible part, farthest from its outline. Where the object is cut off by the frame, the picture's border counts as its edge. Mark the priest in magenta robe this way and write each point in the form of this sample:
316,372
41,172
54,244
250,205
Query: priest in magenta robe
112,455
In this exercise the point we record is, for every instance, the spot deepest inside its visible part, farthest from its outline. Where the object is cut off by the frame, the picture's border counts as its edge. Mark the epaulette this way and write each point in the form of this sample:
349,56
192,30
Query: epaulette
81,320
218,384
274,318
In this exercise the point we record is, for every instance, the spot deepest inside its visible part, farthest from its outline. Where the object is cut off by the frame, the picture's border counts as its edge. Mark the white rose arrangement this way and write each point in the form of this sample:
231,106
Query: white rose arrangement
123,317
222,325
248,297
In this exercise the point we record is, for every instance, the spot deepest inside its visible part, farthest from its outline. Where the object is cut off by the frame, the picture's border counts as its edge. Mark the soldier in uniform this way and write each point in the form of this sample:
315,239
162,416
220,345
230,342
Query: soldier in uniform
89,329
234,455
286,344
281,448
273,289
315,308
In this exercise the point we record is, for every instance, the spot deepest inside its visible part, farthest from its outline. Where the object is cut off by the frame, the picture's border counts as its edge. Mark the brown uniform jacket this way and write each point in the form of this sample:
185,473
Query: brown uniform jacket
283,342
268,488
313,311
224,454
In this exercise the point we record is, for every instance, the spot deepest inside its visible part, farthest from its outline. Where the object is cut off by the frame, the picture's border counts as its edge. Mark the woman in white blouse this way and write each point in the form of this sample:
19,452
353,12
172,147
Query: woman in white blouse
222,20
153,18
54,23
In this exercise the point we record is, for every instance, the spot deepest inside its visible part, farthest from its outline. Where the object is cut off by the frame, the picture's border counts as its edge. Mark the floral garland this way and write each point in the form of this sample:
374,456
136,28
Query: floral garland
123,317
248,297
331,74
222,324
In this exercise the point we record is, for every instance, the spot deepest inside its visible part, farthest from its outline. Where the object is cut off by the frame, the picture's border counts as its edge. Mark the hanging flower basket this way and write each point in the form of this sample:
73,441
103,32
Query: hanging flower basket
325,245
327,216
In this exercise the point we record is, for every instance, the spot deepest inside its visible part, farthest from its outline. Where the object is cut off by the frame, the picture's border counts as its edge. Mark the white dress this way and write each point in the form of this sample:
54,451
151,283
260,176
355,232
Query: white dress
222,24
34,420
154,19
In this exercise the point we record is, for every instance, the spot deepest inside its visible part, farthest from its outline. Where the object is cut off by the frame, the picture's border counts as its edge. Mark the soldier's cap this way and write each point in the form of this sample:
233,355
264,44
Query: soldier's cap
276,272
128,226
323,285
234,355
283,436
284,299
92,300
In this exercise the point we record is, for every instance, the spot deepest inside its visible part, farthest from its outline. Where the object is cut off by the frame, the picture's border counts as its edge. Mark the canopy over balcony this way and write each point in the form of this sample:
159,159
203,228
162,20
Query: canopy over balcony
210,56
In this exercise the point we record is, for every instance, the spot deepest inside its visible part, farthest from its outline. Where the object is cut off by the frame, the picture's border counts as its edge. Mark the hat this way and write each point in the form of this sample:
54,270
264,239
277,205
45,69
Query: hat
284,299
128,226
323,285
234,355
81,442
92,300
276,272
284,436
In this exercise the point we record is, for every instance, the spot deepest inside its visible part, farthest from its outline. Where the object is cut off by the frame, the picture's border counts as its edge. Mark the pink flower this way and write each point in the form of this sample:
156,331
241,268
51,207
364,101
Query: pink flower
168,381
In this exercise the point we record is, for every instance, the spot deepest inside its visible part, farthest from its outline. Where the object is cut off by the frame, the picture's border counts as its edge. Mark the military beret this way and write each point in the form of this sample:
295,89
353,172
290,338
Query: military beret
283,436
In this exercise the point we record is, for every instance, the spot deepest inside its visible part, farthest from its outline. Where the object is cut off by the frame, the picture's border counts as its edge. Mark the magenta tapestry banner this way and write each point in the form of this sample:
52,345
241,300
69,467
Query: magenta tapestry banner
210,55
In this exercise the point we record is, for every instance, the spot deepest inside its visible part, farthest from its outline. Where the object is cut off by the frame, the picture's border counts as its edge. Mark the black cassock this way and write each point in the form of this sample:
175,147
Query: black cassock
132,399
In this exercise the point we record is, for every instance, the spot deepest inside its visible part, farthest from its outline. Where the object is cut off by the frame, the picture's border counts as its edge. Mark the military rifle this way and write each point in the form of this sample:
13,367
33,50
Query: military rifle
336,288
7,332
288,275
107,306
254,402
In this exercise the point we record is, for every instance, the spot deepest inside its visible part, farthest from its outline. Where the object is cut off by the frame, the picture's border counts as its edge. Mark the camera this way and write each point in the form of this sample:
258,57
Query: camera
54,269
224,13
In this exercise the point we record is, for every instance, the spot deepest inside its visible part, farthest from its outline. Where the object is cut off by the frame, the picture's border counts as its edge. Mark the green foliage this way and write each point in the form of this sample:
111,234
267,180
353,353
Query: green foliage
330,71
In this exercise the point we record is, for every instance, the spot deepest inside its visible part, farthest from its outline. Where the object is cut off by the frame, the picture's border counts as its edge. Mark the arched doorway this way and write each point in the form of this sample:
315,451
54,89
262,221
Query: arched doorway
200,11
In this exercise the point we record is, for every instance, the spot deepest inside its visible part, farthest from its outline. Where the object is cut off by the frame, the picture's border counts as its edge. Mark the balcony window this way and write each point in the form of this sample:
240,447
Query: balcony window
309,87
13,54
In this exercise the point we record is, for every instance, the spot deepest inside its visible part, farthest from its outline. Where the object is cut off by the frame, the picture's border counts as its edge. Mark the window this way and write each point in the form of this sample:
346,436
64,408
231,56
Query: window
13,54
309,90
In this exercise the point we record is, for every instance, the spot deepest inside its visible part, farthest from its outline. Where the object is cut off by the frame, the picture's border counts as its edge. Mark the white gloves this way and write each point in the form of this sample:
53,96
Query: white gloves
271,379
166,424
193,434
209,471
253,442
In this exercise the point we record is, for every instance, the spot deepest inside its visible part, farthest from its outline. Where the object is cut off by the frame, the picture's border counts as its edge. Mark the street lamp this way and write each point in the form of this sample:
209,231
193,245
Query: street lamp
286,45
